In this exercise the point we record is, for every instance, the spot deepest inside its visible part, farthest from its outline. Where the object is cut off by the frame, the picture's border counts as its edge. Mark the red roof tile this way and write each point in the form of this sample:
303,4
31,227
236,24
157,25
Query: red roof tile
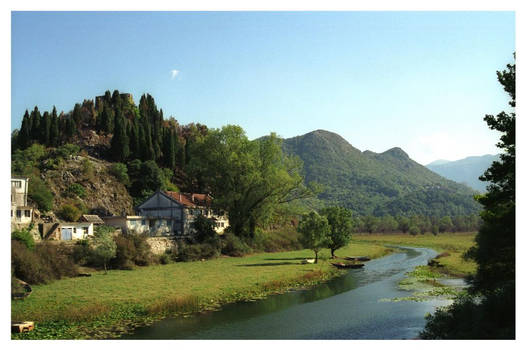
190,199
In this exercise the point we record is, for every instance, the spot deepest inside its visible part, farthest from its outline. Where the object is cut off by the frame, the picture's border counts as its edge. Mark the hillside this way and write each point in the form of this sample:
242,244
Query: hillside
466,171
376,183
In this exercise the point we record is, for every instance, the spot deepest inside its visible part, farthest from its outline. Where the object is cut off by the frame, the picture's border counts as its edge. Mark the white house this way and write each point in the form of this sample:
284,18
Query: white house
21,213
75,230
129,223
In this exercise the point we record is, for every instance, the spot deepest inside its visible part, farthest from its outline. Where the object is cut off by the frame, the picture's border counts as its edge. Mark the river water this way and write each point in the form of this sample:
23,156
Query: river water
354,306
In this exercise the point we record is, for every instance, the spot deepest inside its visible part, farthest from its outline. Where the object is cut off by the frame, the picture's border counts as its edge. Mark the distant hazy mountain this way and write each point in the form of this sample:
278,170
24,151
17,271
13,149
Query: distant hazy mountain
376,183
466,171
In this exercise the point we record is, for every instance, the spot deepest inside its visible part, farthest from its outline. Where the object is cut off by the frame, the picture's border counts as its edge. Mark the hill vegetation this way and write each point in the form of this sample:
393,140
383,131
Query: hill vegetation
376,183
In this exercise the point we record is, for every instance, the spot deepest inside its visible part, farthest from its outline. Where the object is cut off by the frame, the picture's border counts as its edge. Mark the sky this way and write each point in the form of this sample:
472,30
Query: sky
422,81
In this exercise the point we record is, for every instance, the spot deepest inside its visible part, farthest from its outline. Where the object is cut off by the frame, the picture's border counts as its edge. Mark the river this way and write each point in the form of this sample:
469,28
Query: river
354,306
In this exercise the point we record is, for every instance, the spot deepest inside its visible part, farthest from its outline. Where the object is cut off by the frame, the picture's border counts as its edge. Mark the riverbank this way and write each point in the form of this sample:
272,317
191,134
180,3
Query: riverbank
450,246
106,305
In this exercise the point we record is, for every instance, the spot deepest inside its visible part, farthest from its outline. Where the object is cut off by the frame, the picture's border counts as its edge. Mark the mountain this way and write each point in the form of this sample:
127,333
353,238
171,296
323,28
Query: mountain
376,183
466,171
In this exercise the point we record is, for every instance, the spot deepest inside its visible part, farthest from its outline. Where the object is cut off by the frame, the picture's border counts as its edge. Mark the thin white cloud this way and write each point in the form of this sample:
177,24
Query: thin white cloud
174,73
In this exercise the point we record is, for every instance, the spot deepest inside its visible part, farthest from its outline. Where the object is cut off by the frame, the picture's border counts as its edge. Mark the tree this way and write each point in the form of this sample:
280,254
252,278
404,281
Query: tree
314,230
488,311
104,247
370,223
248,179
445,224
340,222
120,142
204,228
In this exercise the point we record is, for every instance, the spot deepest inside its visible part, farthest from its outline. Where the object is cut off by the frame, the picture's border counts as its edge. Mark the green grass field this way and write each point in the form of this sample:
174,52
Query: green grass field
98,306
455,244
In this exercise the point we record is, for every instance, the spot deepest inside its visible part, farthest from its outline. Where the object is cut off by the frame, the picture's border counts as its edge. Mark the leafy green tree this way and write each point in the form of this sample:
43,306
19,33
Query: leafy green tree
403,223
249,179
204,229
314,230
387,224
104,247
120,171
445,224
340,222
145,178
370,223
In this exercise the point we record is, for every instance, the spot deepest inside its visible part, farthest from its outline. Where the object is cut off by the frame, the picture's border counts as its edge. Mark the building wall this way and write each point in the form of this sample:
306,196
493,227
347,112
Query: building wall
79,230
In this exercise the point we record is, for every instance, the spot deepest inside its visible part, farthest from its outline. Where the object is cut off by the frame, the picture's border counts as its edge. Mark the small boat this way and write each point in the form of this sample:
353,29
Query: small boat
347,266
308,261
357,258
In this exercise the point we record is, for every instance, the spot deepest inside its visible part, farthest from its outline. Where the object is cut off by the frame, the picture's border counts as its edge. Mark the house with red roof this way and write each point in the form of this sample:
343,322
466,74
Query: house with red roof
167,213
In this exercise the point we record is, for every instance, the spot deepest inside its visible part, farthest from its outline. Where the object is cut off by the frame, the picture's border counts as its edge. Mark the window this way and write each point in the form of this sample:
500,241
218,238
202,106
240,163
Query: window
27,213
19,213
11,213
86,230
74,230
143,222
16,184
169,223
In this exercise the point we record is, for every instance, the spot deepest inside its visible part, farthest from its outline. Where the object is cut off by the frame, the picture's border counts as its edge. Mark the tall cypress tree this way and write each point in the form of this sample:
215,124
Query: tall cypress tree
54,136
120,148
35,124
45,126
24,136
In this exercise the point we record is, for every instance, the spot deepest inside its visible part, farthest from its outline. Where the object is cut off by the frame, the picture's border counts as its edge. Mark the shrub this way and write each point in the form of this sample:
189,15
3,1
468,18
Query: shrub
233,246
103,248
165,258
67,150
75,190
81,252
25,237
47,262
87,169
204,228
120,171
193,252
69,212
132,250
39,193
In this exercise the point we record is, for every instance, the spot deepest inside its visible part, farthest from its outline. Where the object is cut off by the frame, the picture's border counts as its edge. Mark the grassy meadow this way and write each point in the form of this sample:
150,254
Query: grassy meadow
106,304
451,245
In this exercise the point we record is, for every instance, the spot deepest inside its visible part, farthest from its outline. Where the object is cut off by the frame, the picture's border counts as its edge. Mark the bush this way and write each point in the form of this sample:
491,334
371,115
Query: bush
67,150
87,169
25,237
120,171
39,193
75,190
165,258
280,240
233,246
193,252
81,252
69,212
46,263
132,250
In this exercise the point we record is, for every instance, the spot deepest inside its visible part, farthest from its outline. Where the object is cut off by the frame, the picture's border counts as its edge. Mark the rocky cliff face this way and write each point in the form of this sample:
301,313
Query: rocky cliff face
103,193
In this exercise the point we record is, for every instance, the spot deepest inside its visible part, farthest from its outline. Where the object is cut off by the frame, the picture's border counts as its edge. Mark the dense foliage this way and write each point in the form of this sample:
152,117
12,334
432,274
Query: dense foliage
314,230
489,310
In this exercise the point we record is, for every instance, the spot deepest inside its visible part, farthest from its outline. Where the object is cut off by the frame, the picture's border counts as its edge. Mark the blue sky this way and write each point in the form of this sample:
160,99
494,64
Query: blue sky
422,81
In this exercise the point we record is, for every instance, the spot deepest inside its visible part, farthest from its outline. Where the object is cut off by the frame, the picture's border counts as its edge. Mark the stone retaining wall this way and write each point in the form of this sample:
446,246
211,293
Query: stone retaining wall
159,245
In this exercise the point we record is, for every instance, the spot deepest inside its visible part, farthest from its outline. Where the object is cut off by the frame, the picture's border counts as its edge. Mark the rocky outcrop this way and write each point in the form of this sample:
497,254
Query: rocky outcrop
159,245
103,194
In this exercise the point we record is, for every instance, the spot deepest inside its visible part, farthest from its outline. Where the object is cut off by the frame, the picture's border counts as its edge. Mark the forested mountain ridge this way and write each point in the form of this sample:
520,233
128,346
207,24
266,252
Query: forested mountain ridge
376,183
465,170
